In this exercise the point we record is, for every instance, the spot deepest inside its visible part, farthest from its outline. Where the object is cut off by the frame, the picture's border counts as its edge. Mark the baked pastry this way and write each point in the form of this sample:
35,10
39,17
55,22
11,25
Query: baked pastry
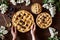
36,8
44,20
23,20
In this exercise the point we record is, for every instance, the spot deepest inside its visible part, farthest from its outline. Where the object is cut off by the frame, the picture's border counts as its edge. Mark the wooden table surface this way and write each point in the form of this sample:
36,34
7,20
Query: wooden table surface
41,34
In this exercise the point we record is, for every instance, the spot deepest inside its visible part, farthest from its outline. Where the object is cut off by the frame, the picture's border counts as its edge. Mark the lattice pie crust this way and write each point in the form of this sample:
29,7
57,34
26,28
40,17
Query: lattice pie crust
23,20
44,20
36,8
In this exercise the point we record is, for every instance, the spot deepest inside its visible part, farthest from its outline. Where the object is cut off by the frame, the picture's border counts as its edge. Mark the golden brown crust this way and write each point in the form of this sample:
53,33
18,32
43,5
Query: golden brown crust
23,20
36,8
44,20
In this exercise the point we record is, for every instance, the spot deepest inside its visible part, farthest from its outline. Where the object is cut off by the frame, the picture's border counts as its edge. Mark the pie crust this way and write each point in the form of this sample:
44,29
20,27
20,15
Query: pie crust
44,20
36,8
23,20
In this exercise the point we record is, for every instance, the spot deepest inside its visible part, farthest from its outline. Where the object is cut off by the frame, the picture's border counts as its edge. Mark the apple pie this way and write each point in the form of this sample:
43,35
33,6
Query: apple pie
44,20
36,8
23,20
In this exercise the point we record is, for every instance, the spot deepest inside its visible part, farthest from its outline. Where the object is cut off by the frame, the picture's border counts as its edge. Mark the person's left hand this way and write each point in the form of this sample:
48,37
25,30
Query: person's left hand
14,33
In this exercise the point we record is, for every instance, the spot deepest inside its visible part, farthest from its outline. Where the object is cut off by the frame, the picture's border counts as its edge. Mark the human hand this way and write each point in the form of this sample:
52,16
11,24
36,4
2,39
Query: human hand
14,33
33,28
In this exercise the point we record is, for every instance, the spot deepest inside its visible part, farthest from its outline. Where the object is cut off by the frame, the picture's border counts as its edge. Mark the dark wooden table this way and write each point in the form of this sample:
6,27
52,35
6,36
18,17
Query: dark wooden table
41,34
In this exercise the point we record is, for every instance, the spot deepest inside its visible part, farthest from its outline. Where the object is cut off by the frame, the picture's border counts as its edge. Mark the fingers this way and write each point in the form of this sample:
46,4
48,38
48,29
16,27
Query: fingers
33,27
11,29
15,30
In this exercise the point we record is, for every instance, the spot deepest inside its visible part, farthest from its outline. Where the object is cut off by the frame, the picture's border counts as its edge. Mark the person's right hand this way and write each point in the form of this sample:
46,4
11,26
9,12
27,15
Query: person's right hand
33,28
14,33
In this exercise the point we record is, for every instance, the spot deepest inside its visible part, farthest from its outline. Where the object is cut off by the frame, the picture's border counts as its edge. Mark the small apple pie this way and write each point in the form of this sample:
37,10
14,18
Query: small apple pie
44,20
36,8
23,20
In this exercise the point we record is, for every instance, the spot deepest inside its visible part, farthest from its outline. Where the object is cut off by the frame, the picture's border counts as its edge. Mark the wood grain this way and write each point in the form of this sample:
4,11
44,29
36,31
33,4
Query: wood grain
40,33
